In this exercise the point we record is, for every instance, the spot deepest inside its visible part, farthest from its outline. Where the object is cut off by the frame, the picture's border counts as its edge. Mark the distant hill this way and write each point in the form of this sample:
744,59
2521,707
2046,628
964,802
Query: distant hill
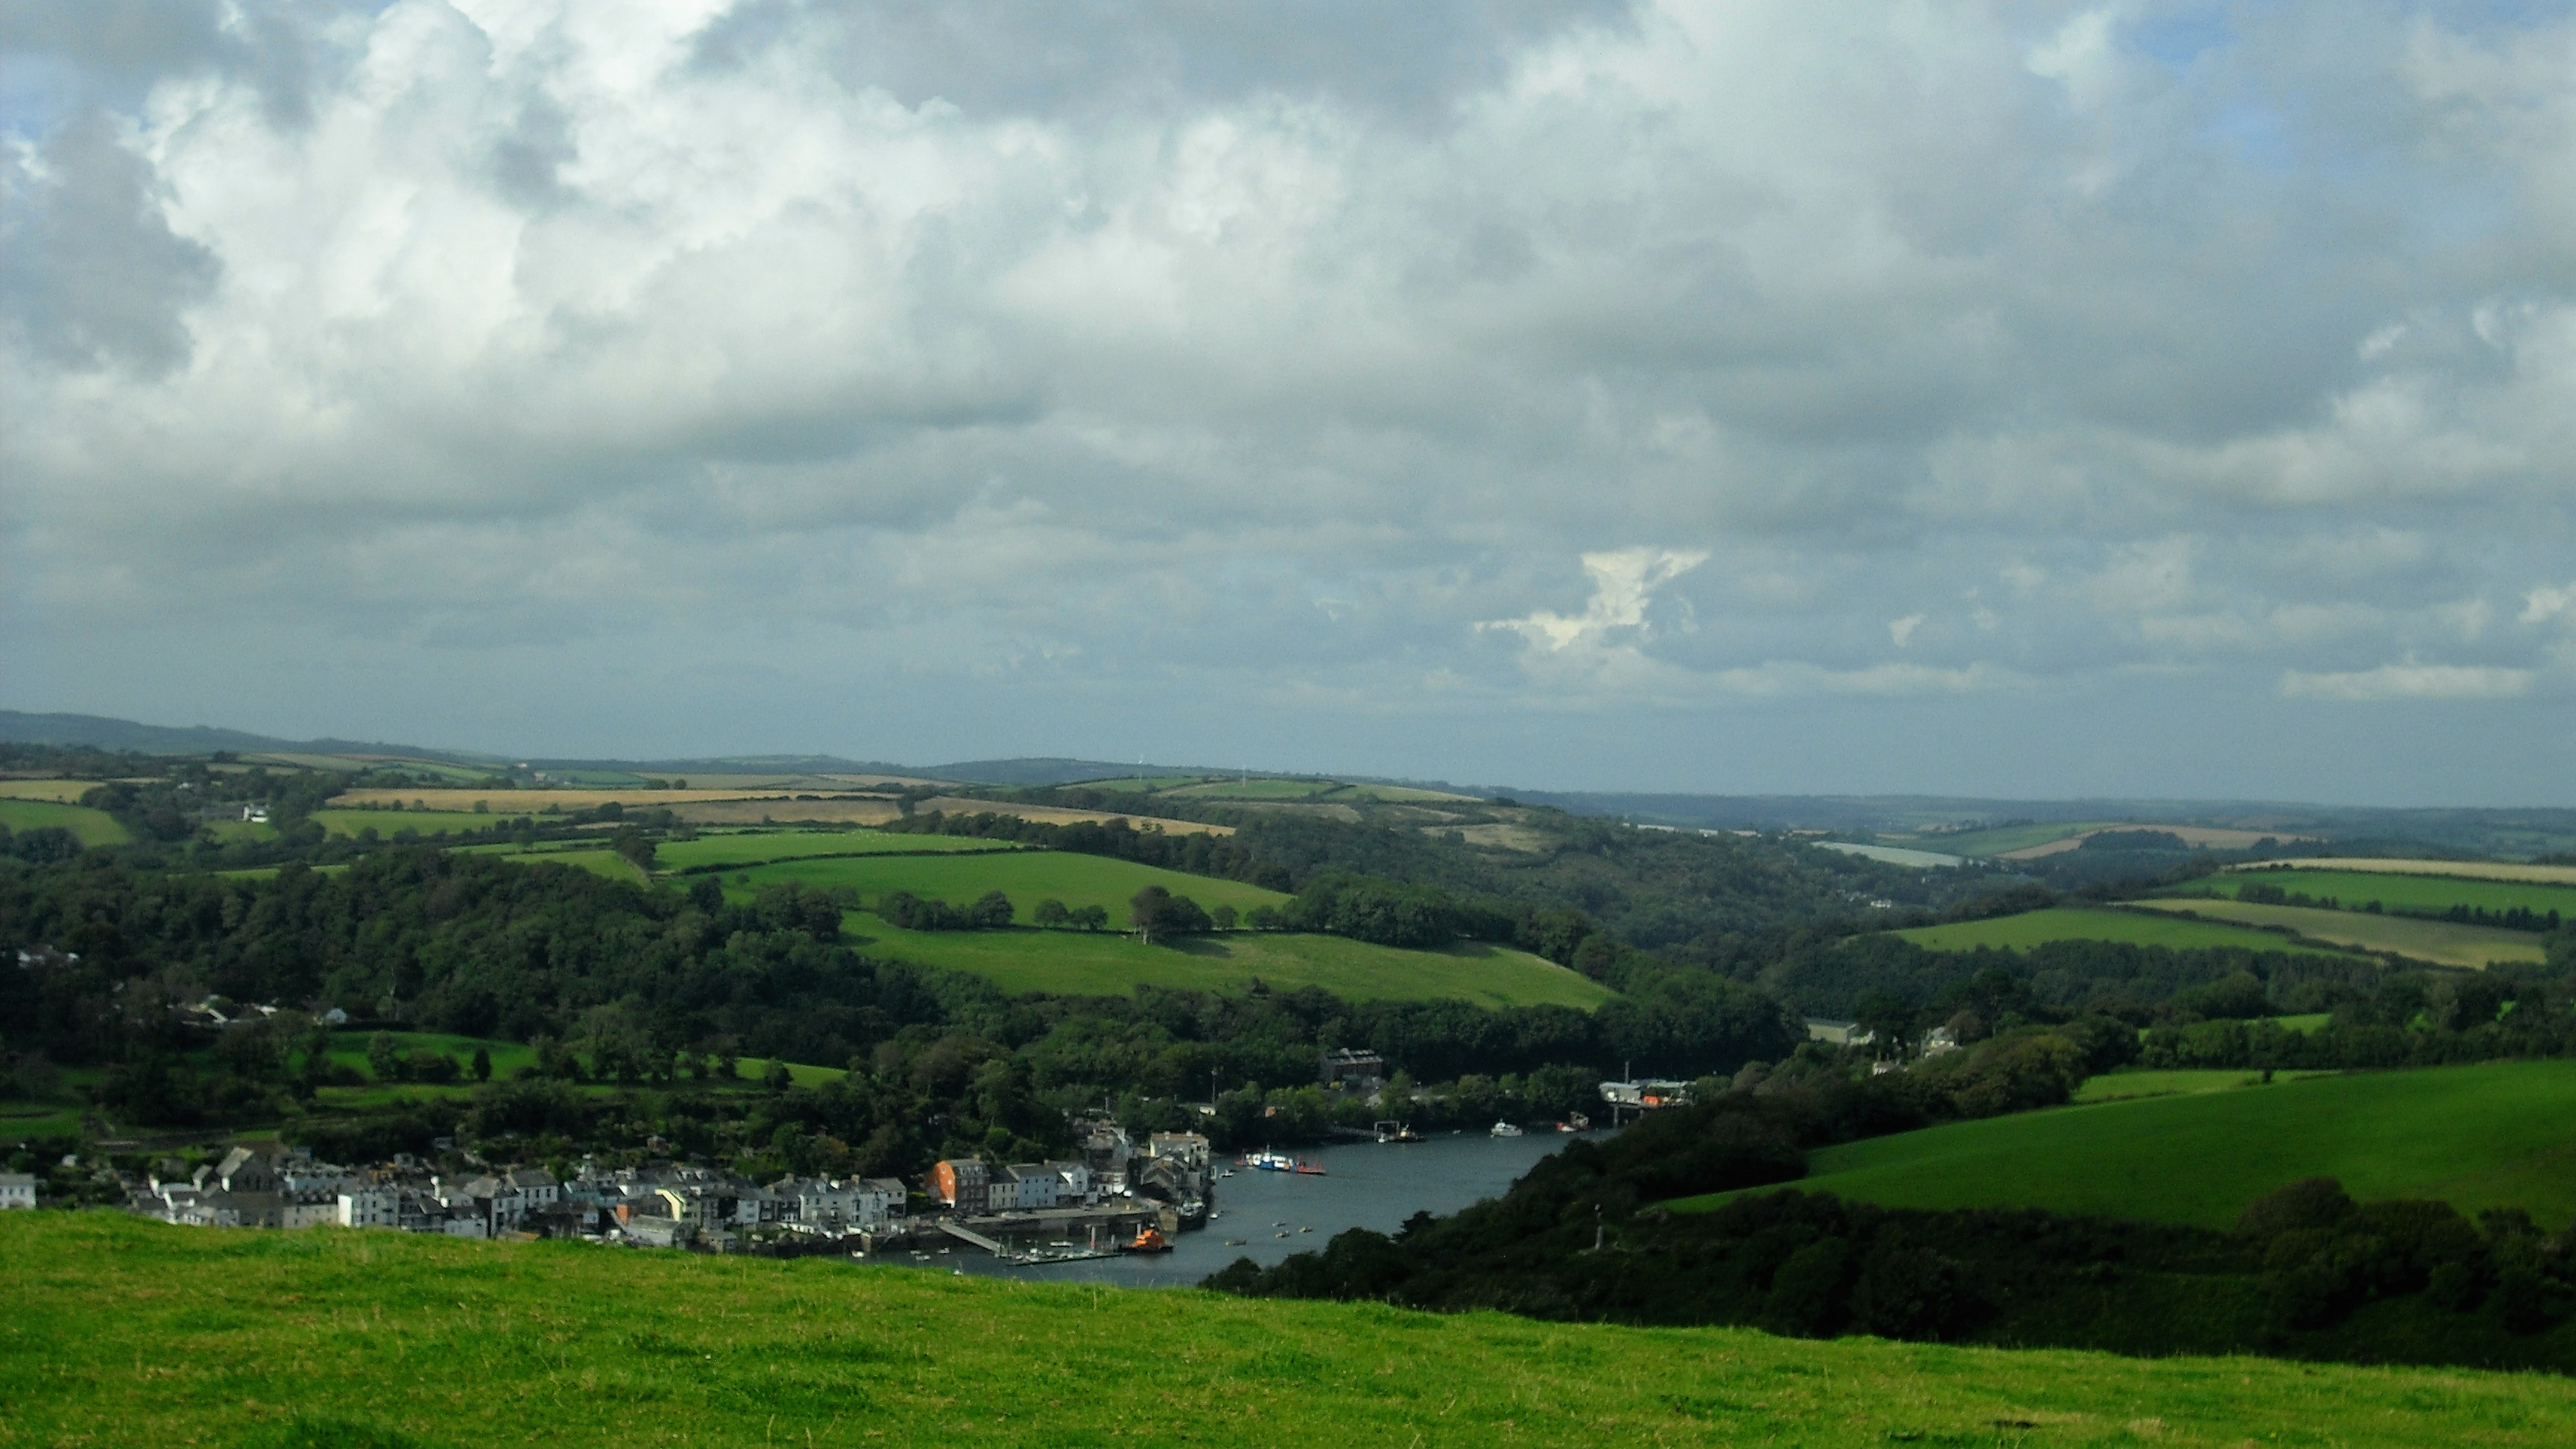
101,732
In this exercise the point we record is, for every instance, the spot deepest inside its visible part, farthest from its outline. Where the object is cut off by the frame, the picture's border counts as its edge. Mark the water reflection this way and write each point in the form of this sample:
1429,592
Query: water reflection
1366,1186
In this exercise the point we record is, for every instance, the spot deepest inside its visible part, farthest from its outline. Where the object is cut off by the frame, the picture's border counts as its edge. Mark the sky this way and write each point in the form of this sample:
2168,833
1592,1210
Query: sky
2017,399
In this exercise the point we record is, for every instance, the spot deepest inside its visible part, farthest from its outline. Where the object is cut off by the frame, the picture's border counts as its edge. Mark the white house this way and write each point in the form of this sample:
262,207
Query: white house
17,1190
1032,1186
361,1206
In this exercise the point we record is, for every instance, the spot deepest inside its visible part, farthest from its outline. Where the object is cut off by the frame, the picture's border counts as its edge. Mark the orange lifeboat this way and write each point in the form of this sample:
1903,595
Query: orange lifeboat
1147,1240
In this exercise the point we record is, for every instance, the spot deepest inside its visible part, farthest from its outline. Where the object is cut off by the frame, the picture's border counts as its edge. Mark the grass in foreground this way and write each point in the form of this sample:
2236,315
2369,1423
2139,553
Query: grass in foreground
122,1331
2067,923
1084,963
2447,943
2478,1137
90,827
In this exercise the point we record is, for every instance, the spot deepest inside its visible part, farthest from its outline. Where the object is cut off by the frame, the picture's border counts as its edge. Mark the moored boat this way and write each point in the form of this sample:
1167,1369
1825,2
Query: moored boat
1506,1129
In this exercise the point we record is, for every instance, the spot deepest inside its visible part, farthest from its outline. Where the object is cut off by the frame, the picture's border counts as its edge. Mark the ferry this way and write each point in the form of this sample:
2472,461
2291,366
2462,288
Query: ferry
1506,1129
1268,1161
1308,1169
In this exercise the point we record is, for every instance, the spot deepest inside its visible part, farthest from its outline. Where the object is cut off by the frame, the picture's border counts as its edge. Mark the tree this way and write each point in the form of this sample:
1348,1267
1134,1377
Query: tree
482,1064
778,1078
1092,918
1223,917
991,912
1158,912
381,1058
1051,913
635,846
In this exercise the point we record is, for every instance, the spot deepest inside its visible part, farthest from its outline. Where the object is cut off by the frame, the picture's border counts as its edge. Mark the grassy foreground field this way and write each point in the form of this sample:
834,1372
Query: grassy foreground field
90,827
1027,877
114,1330
2478,1137
1092,963
2447,943
2070,923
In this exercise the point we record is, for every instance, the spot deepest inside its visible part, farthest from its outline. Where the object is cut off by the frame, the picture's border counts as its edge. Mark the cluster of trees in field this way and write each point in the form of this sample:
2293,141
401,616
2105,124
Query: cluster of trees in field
1585,1237
992,911
2512,918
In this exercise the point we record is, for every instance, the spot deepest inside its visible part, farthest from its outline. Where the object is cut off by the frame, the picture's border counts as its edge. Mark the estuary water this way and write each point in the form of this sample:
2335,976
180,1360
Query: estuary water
1367,1185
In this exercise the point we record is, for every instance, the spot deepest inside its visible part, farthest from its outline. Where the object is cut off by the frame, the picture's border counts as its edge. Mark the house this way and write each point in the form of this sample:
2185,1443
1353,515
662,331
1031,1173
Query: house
962,1185
254,814
1074,1179
1837,1033
368,1206
1940,1039
309,1210
537,1187
243,1170
818,1202
1033,1186
879,1201
1347,1067
17,1190
1646,1092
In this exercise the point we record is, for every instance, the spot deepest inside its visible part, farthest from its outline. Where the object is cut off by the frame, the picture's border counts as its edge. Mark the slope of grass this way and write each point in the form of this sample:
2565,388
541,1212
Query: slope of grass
2068,923
1088,963
2005,837
2121,1086
117,1330
2444,942
2494,1135
762,847
598,862
91,827
2352,889
1027,877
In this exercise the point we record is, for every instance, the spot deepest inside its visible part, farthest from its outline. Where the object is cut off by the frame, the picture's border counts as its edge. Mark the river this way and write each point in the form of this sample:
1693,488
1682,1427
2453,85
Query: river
1366,1185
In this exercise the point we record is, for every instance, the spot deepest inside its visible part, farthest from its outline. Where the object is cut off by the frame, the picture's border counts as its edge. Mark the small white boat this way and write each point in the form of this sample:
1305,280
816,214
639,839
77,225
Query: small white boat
1506,1129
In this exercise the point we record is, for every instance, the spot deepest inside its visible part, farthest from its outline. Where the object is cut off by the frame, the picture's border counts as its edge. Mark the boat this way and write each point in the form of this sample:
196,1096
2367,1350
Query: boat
1278,1235
1269,1161
1237,1242
1147,1240
1304,1168
1305,1230
1506,1129
1575,1123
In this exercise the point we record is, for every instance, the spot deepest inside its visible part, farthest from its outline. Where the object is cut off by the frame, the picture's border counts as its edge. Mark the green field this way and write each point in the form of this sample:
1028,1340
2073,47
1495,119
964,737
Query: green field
1255,790
349,1049
2070,923
92,827
2486,1136
1092,963
759,847
598,862
121,1331
2442,942
2353,889
1027,877
388,823
2121,1086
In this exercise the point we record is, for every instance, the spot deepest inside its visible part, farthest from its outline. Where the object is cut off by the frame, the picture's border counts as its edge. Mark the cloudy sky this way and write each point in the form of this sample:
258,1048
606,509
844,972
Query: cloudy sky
2017,398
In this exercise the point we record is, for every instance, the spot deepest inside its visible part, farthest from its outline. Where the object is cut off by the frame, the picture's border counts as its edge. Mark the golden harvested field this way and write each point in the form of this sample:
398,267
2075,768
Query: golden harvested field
2469,869
2208,836
1058,815
530,802
67,792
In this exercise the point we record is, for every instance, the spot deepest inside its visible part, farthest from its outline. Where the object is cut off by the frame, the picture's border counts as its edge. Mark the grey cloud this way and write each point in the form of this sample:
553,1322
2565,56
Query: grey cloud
90,272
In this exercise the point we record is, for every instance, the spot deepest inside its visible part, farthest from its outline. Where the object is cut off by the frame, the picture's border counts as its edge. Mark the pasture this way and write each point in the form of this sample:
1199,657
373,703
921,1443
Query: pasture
2493,1135
2353,889
2123,1085
602,862
61,792
2445,943
127,1331
2073,923
1108,963
2471,869
389,823
712,852
1027,877
90,827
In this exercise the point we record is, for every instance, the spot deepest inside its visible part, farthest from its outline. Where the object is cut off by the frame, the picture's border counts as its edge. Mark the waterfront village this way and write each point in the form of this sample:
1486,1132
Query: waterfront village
1119,1195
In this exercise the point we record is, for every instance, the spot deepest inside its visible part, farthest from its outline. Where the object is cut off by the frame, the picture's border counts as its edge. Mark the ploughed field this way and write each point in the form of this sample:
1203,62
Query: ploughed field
116,1330
2075,923
2493,1135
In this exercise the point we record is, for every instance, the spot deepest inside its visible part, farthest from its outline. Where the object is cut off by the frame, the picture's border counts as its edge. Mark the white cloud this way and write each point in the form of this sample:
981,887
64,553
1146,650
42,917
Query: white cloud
1622,583
2411,681
2543,604
1902,630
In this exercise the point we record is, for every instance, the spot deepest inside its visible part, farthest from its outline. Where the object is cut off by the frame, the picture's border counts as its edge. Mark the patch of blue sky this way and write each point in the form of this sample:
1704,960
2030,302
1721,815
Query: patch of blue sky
2178,38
